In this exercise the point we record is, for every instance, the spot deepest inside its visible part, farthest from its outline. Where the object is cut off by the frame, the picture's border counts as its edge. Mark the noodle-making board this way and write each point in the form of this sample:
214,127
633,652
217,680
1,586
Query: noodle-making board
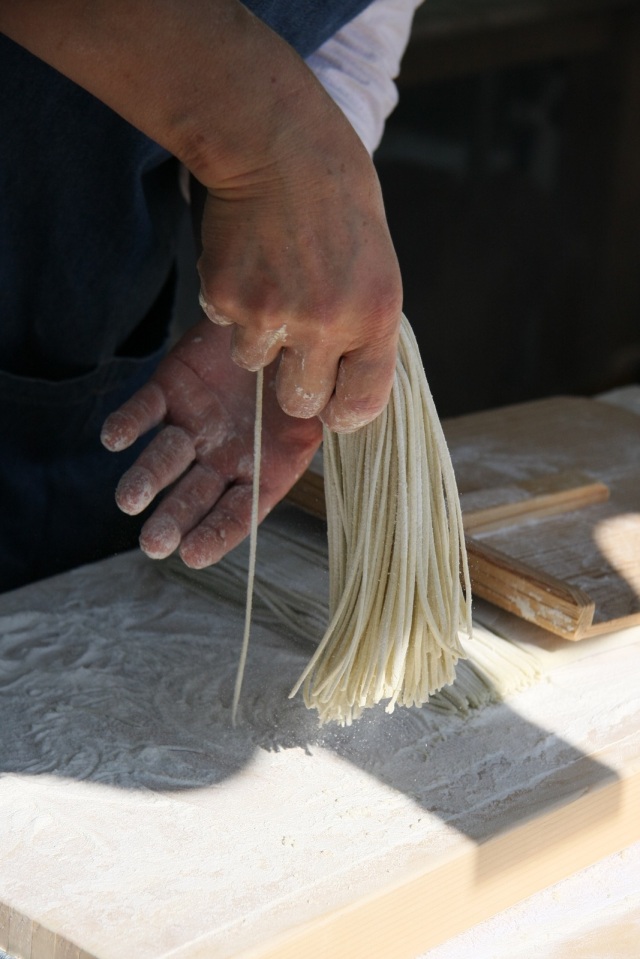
550,495
136,821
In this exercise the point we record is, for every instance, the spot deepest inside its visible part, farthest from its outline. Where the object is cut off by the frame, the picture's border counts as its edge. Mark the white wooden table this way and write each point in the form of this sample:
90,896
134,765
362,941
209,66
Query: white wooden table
137,822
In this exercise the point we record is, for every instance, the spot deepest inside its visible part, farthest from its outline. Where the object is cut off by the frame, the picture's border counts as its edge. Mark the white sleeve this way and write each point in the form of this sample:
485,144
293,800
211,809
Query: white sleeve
358,65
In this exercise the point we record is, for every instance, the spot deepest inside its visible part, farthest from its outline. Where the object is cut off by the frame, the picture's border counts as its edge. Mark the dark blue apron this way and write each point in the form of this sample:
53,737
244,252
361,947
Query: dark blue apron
89,215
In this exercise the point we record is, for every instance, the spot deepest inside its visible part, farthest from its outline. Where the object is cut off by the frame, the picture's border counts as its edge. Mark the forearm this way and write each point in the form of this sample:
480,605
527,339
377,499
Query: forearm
204,78
296,249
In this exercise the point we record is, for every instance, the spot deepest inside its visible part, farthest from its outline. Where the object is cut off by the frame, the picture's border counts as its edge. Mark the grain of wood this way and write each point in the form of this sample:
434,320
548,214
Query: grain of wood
5,913
20,929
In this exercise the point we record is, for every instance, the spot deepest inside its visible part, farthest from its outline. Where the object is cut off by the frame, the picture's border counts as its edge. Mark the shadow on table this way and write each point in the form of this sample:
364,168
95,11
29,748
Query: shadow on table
136,694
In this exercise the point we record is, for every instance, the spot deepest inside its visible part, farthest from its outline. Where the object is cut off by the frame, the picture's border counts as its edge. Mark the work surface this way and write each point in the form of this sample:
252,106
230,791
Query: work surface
136,821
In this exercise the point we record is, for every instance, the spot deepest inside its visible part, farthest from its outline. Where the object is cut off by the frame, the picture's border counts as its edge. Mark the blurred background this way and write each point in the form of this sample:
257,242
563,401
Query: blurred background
511,175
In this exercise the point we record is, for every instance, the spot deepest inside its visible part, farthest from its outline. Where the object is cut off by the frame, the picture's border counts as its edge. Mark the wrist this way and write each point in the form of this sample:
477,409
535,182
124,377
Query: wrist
274,119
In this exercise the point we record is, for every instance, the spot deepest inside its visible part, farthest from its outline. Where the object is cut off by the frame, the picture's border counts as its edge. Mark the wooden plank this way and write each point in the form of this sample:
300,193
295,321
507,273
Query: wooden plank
594,550
65,950
456,892
532,594
484,509
529,440
444,822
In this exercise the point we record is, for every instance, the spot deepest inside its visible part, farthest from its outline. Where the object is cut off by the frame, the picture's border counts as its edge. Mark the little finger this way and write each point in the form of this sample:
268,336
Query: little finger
305,382
363,386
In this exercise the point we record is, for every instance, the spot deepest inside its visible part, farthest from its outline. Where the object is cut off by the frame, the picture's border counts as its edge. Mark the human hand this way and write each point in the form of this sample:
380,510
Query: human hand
313,281
296,247
297,256
205,451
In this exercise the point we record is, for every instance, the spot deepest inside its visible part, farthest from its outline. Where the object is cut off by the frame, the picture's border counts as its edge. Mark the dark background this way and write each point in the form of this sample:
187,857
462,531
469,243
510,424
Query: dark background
511,175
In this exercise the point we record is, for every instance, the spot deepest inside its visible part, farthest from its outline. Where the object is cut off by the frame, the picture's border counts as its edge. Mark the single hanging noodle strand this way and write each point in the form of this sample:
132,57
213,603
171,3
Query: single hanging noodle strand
253,542
396,558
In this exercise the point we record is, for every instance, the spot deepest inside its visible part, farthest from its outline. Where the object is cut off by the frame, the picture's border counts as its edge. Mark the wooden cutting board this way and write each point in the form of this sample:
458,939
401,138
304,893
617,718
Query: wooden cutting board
550,494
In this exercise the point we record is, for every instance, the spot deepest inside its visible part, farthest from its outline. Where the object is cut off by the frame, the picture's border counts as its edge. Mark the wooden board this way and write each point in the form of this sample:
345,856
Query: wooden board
550,493
593,550
390,925
137,822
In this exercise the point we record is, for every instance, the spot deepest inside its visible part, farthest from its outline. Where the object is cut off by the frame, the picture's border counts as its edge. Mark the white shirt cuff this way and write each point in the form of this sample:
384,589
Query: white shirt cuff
358,65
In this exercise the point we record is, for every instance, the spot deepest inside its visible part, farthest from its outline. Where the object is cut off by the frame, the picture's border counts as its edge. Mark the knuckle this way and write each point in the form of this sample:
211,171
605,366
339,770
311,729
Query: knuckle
218,290
174,442
253,349
341,418
386,302
245,357
225,304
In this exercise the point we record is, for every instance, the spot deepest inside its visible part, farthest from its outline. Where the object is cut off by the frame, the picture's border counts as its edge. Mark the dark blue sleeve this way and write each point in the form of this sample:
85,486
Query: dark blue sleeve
306,25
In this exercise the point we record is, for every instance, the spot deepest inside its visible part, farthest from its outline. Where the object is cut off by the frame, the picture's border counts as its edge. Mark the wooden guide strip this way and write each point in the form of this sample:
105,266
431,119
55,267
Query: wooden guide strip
510,505
529,593
532,507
